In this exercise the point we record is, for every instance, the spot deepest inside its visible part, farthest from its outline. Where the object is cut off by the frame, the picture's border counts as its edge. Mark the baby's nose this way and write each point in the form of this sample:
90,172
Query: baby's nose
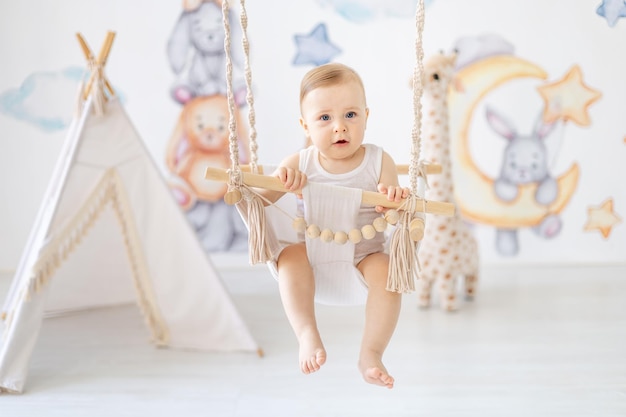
340,126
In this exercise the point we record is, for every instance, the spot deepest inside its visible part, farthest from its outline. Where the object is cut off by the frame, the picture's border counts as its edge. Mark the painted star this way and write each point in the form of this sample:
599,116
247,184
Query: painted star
602,218
612,10
568,99
315,47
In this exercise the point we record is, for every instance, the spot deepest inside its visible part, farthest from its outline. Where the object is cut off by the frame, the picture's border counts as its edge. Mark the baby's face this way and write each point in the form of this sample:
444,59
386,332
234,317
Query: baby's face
335,118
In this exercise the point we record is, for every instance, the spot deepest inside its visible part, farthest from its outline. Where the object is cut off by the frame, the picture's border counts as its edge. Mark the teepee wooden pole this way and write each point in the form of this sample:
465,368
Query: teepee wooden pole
105,50
83,45
368,197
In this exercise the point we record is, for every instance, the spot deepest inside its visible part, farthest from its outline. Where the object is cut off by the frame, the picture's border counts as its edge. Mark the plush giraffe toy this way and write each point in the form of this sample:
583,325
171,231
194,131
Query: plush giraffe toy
448,250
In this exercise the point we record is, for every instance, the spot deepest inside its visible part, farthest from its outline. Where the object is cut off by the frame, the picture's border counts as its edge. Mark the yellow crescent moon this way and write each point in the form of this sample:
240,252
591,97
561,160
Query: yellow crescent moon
475,194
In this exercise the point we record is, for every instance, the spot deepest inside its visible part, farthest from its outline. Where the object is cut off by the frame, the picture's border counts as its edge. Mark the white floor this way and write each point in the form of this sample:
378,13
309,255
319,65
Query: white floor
535,342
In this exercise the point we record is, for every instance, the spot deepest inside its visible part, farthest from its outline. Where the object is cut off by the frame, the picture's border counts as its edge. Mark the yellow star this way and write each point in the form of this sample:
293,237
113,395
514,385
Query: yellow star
568,98
602,218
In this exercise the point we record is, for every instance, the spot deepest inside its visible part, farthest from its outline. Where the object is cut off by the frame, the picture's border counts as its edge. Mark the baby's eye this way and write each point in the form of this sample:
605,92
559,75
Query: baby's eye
325,117
350,115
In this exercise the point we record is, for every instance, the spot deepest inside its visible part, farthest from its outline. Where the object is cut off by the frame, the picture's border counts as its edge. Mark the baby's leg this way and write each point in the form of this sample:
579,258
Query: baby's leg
381,316
297,291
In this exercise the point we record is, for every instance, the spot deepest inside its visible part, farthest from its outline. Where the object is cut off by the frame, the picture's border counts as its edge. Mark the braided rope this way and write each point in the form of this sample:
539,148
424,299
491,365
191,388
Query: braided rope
253,145
232,125
403,261
414,170
250,206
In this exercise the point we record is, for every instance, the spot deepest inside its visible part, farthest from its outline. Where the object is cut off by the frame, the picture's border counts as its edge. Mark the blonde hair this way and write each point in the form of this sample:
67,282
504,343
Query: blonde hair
327,75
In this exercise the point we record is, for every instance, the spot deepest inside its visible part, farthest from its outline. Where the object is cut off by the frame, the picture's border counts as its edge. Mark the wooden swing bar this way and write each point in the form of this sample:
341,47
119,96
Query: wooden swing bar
368,197
403,169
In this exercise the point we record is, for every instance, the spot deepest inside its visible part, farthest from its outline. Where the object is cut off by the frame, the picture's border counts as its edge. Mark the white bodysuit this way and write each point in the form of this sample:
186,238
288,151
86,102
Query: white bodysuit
330,205
365,177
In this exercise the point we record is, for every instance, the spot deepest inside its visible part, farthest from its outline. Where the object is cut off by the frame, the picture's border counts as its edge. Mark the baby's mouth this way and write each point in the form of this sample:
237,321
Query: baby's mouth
340,142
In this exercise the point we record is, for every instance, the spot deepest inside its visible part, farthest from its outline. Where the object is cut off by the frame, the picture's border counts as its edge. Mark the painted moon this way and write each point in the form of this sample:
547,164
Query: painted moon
475,194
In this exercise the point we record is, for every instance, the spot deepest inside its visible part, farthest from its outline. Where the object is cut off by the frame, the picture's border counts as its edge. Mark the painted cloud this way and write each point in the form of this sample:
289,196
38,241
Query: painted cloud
45,99
360,11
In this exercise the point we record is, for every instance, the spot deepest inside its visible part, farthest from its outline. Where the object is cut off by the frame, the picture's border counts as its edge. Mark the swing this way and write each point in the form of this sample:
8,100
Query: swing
329,226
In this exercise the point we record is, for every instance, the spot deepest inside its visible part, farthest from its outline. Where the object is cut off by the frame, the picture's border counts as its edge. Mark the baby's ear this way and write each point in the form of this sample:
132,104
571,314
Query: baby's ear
304,125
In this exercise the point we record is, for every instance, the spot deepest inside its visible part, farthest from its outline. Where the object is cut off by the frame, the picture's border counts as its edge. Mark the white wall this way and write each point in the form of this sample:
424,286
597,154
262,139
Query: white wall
39,37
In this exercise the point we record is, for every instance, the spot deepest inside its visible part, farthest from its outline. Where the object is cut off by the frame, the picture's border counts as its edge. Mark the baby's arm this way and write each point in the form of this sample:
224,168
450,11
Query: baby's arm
388,182
289,174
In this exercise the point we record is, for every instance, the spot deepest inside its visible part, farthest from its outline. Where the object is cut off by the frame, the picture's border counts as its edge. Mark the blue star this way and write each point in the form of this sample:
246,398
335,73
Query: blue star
612,10
315,48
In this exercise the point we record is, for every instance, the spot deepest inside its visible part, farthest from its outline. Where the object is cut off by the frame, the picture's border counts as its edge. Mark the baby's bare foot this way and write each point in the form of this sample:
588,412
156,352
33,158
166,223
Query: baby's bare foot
312,353
374,372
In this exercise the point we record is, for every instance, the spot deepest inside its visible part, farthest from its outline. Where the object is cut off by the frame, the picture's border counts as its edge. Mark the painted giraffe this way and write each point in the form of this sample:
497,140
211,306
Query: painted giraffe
448,250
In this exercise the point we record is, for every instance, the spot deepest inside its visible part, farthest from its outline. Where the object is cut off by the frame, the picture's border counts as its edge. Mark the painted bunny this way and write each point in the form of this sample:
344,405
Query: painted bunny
525,161
196,53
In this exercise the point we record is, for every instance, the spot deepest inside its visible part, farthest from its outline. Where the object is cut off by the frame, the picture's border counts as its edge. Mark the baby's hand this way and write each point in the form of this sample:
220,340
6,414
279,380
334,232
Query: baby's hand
291,178
394,193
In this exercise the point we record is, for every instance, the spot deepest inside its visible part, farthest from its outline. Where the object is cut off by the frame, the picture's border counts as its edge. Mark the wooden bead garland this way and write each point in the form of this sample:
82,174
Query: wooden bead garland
368,231
327,235
355,235
341,238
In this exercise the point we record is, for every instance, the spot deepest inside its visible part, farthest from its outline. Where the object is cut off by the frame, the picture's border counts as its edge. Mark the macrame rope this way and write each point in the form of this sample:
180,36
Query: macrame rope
249,204
232,124
417,96
403,261
253,145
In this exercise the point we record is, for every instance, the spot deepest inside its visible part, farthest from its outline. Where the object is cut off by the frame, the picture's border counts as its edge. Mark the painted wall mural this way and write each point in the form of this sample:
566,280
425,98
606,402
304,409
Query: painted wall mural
612,11
315,48
538,140
30,102
525,194
196,55
366,10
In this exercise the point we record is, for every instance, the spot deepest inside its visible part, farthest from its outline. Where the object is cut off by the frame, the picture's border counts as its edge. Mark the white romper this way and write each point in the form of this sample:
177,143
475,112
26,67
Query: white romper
329,204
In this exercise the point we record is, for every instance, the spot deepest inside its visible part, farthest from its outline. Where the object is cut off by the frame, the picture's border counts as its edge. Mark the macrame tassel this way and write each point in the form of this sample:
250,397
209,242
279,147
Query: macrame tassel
251,206
402,257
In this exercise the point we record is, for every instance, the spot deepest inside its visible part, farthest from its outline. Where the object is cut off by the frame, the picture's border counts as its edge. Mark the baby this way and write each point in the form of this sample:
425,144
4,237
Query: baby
334,117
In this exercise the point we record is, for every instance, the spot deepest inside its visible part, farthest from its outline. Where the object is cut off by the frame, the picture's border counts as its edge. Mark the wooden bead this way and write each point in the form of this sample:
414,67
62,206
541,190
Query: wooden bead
416,229
341,238
392,216
299,224
313,231
355,236
380,224
232,197
327,235
368,231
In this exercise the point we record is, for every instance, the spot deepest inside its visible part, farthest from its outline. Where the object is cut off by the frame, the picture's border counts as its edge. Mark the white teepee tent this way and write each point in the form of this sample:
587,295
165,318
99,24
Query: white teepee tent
108,223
